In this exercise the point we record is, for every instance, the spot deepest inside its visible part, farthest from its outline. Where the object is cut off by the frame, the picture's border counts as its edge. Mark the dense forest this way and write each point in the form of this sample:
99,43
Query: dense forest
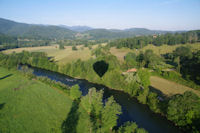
136,84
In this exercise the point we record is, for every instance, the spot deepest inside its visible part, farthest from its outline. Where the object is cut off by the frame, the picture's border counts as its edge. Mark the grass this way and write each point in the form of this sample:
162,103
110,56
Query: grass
120,53
32,106
169,88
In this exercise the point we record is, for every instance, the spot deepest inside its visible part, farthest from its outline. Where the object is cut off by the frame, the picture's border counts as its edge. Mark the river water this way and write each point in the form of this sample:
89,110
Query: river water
132,110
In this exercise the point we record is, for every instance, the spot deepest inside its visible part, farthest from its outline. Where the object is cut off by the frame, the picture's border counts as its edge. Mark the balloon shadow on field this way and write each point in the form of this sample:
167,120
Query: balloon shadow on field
100,67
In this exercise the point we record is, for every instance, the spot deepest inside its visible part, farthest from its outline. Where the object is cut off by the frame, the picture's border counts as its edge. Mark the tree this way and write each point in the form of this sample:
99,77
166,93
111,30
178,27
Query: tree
144,76
177,61
75,93
131,127
184,110
141,130
110,114
130,59
140,59
93,101
153,101
74,48
103,118
183,52
128,127
61,46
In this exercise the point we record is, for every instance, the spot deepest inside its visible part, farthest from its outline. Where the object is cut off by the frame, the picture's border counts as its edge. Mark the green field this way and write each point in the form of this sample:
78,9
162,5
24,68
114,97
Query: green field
28,106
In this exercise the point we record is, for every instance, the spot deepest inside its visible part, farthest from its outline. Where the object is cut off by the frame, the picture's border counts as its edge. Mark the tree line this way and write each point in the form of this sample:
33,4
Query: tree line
158,40
10,42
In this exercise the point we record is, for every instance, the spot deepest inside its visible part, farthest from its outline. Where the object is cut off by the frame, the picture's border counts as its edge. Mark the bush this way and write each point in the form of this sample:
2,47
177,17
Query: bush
75,93
74,48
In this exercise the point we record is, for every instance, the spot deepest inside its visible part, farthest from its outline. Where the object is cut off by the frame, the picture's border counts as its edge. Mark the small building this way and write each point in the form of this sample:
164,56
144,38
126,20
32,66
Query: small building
154,36
132,70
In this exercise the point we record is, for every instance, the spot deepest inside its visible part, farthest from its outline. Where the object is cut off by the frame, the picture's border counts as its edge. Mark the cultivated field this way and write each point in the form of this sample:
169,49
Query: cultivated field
169,88
29,106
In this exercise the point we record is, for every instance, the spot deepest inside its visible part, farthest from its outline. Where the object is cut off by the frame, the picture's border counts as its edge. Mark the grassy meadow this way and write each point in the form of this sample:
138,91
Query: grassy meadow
30,106
169,88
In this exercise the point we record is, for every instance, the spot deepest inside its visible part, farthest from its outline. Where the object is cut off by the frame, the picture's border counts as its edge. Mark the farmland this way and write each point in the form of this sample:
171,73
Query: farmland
169,88
61,56
68,55
120,53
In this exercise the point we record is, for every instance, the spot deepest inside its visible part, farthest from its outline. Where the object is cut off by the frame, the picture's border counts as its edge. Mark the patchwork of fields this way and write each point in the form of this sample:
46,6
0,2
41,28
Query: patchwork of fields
28,106
120,53
68,55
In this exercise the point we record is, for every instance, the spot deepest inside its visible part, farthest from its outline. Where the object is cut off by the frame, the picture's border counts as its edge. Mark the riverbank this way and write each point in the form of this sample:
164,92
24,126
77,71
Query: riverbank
132,110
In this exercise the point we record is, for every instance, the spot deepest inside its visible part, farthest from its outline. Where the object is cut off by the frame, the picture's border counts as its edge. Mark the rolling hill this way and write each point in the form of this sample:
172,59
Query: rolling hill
34,31
69,32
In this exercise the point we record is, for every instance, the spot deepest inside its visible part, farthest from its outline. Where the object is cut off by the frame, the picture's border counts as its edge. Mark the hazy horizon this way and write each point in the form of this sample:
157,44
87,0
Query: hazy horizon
153,14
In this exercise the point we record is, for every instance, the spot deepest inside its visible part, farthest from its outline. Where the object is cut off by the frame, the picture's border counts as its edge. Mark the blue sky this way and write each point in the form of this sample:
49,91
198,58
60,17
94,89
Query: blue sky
120,14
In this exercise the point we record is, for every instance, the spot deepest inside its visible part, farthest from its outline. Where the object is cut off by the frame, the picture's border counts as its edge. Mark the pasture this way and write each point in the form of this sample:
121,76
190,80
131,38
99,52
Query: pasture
30,106
169,88
120,53
61,56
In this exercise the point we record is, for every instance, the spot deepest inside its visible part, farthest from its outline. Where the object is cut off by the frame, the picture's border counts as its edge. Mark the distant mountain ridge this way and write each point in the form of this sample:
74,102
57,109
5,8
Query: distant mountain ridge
38,31
77,28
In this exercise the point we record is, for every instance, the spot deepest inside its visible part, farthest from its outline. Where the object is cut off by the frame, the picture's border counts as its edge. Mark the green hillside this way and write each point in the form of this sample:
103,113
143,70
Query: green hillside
34,31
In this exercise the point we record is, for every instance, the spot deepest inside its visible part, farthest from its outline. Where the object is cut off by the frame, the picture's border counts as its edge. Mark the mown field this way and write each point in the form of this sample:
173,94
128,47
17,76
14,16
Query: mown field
120,53
30,106
169,88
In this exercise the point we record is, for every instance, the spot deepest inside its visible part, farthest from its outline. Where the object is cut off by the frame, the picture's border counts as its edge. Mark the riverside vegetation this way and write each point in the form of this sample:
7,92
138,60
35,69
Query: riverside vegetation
182,109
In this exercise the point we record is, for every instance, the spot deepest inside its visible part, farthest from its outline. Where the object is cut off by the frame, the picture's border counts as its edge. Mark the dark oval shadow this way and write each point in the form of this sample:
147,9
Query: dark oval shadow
100,67
2,105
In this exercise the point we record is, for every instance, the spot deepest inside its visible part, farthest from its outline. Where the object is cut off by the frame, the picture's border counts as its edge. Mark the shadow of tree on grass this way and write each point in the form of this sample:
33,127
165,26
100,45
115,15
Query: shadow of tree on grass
70,124
6,76
2,105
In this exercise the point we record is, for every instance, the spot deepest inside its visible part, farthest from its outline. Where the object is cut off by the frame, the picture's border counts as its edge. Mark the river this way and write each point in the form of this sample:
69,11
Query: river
132,110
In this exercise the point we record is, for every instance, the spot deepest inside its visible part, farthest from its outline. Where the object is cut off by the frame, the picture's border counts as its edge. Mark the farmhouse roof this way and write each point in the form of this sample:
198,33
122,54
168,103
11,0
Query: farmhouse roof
132,70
